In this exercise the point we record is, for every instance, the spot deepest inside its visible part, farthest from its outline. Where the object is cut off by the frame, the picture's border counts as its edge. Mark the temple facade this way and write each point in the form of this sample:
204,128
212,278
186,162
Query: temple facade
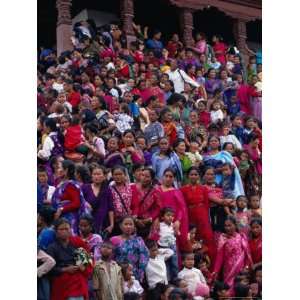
241,11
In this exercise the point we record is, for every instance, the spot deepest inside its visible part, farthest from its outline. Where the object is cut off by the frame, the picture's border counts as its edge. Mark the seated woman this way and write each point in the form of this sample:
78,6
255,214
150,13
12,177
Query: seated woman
67,278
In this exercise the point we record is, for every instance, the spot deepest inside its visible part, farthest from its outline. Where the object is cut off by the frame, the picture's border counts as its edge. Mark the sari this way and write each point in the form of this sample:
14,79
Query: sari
216,161
255,245
94,242
233,255
160,164
134,251
74,207
113,158
170,131
174,199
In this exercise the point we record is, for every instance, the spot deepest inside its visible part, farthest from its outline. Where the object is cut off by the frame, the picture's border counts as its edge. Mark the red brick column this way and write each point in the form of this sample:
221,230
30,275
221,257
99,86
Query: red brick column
64,26
127,14
187,26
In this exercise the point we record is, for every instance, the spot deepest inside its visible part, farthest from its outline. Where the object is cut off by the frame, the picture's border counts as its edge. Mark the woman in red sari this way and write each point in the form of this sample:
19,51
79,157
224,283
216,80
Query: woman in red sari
68,279
145,202
172,197
197,200
255,241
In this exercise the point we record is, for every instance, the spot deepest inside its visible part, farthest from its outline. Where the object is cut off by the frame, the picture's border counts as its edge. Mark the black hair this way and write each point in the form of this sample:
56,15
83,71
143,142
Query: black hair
163,112
241,290
226,144
233,220
126,217
118,167
165,210
178,294
151,171
186,254
177,142
151,244
219,286
51,123
256,220
128,131
170,170
41,168
107,243
47,214
169,151
102,102
193,168
92,128
131,296
61,221
136,167
89,219
84,173
125,108
70,167
192,226
240,197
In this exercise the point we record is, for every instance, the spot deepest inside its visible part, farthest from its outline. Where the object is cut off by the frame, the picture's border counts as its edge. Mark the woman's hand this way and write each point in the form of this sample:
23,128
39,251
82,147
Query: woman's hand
81,268
109,228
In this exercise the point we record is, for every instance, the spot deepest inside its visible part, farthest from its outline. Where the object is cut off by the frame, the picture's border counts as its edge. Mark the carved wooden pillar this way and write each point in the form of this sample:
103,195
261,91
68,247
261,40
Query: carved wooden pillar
64,26
240,35
127,14
187,25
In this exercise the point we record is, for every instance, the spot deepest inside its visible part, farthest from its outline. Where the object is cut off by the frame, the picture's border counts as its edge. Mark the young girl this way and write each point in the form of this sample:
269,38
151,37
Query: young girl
169,125
192,276
167,239
113,156
130,284
107,275
255,243
254,205
86,233
228,137
141,142
242,215
216,113
123,120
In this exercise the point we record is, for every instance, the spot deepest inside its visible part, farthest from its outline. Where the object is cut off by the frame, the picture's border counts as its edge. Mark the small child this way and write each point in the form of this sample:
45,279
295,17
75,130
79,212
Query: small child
191,275
244,163
130,284
167,240
47,189
242,215
74,136
194,154
203,266
156,270
107,275
216,113
93,240
123,120
254,204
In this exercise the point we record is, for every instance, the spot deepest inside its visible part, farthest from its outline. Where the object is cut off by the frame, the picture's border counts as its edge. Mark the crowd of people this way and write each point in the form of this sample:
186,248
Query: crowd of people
149,168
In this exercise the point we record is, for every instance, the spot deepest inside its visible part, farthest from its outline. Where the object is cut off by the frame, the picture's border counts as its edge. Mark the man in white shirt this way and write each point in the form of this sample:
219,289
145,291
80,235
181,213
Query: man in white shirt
179,77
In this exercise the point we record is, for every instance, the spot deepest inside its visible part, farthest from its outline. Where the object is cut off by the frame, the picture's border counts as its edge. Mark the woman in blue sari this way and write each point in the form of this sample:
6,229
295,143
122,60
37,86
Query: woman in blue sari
216,159
165,158
68,200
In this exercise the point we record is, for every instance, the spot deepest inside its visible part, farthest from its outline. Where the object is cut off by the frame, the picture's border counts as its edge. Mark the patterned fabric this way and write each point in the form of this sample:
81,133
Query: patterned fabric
58,148
126,194
233,255
133,251
94,242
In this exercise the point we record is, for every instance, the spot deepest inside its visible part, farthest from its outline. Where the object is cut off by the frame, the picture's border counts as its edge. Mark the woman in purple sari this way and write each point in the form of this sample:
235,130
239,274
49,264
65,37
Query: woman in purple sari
68,200
233,253
212,83
99,197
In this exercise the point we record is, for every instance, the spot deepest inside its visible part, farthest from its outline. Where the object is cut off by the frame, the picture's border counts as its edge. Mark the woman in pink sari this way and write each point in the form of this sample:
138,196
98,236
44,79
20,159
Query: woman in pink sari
233,253
171,197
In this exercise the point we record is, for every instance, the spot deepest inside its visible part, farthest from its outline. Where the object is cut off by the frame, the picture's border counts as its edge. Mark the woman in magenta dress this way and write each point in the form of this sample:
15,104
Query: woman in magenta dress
233,253
172,197
146,202
254,152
